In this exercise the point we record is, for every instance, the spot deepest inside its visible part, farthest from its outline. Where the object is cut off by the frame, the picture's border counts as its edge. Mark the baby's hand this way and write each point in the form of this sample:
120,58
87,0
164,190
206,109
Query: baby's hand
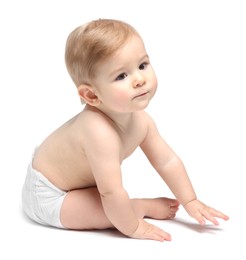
146,230
199,211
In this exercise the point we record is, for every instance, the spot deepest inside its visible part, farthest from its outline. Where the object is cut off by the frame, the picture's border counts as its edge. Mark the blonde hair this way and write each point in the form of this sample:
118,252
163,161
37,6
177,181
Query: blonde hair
92,43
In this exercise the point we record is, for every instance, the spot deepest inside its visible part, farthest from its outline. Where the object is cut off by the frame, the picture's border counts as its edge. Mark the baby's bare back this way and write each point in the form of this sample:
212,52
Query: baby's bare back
62,159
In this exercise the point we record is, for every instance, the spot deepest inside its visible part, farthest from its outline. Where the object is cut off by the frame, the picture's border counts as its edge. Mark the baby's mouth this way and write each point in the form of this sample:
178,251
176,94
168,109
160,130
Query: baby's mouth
141,95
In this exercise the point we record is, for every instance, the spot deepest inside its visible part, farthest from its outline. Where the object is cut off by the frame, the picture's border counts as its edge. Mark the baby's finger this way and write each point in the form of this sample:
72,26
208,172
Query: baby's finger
160,235
155,233
200,219
146,230
205,212
218,214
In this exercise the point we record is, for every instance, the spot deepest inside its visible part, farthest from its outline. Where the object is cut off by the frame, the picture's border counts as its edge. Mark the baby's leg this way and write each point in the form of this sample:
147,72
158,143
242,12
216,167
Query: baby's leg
82,209
157,208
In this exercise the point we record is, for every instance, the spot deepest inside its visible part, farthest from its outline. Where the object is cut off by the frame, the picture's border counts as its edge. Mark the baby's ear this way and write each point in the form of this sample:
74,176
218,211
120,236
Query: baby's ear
87,94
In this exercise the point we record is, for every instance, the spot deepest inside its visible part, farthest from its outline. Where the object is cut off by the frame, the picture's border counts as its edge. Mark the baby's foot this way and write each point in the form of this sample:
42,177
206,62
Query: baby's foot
162,208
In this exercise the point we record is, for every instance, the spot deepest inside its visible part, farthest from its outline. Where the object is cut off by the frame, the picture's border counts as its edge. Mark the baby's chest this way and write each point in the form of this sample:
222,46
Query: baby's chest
130,142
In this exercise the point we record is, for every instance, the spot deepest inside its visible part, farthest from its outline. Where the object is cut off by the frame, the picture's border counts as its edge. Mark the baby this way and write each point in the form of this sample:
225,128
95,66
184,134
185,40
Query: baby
74,180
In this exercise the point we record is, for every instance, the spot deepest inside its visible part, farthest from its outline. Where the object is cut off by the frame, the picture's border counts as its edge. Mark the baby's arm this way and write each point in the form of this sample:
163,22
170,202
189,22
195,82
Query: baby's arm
167,164
198,210
173,172
103,152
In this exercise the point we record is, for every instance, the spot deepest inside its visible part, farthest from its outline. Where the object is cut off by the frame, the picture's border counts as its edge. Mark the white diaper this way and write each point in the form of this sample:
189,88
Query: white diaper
41,200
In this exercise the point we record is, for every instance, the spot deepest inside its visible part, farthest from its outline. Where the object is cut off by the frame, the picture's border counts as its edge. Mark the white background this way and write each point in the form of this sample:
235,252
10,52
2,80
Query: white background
198,51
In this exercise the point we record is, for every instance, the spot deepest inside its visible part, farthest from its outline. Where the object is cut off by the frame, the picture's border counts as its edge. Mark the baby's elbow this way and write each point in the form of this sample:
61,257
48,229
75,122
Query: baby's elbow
113,193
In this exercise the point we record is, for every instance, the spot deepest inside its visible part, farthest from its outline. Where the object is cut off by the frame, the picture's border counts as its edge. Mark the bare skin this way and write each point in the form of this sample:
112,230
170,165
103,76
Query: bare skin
88,200
82,208
84,155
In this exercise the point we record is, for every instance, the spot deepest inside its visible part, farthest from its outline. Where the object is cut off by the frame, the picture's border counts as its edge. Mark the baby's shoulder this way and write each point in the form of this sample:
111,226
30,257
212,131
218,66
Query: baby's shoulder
143,118
91,122
92,118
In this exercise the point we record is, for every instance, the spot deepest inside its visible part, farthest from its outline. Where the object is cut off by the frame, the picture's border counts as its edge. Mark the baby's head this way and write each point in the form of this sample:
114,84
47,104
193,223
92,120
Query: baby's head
92,43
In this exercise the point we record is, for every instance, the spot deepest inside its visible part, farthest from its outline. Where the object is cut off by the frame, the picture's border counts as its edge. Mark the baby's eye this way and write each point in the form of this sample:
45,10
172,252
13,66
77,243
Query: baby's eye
143,65
121,76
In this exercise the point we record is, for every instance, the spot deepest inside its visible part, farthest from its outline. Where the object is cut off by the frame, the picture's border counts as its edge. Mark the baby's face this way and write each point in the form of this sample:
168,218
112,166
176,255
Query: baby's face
126,81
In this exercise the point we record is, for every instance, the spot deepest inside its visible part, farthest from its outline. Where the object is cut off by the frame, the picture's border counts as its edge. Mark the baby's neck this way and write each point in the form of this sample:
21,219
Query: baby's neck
122,120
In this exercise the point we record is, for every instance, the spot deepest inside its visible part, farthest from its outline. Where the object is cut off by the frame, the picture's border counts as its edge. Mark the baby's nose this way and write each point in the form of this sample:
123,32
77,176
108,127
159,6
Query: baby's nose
139,80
